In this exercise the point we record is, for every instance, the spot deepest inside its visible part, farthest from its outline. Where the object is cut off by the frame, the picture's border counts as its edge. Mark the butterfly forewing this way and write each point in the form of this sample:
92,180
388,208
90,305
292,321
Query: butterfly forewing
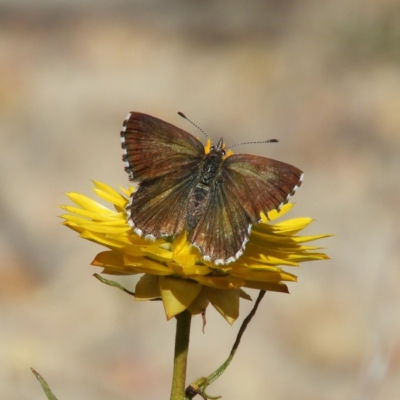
260,184
152,147
163,159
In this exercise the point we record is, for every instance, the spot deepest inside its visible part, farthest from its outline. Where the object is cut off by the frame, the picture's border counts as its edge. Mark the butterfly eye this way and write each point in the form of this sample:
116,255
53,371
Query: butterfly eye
223,152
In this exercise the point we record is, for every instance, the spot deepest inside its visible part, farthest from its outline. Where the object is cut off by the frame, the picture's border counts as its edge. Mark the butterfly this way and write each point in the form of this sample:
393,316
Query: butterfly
216,197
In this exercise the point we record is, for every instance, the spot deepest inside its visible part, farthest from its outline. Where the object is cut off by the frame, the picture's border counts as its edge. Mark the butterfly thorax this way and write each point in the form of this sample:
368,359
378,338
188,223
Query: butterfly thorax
210,167
208,176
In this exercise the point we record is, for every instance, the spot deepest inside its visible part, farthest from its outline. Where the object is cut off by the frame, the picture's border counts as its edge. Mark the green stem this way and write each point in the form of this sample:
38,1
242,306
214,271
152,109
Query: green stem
183,321
200,385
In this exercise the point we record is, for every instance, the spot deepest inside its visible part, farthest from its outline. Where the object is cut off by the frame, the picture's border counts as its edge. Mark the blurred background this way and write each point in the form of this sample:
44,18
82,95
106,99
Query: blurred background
321,76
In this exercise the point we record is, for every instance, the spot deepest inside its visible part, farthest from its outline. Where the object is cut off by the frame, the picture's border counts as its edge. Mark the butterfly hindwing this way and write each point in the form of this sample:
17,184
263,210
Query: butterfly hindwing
159,207
223,230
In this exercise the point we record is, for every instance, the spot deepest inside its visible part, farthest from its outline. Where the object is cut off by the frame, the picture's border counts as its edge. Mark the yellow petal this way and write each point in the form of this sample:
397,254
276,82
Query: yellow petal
108,258
258,257
207,147
183,253
87,215
146,266
272,287
147,288
101,239
103,187
254,275
274,214
177,294
199,304
226,302
114,270
127,191
89,204
220,282
157,252
111,197
112,230
244,295
292,226
195,270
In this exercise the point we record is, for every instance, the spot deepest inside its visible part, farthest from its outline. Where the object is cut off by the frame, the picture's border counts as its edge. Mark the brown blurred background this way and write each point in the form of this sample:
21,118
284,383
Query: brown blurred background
323,77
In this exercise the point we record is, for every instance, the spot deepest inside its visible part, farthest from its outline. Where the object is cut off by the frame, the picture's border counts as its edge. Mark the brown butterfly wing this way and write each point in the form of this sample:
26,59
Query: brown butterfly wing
164,160
260,184
159,207
152,147
247,185
223,230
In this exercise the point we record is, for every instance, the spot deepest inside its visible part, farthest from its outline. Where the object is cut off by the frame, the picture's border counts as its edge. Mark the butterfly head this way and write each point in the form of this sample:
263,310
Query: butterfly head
218,150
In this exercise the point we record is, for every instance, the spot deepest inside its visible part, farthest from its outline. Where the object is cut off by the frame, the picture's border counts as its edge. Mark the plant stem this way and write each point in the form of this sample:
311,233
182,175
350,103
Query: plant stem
183,321
200,385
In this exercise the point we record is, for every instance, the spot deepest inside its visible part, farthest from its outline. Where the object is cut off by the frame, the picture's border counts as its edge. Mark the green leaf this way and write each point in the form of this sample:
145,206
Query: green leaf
45,386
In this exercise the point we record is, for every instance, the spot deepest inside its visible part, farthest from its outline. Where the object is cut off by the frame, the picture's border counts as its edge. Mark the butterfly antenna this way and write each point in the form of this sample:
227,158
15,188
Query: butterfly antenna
263,141
181,114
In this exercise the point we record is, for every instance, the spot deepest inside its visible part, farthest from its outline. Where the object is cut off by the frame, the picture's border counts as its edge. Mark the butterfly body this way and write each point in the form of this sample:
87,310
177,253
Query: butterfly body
214,197
208,177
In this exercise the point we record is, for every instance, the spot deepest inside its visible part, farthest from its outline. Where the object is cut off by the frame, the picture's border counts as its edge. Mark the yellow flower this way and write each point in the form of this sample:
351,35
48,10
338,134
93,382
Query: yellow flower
174,270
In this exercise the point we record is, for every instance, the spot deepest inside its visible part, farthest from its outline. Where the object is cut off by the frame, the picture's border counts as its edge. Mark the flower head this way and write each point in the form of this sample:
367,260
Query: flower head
175,271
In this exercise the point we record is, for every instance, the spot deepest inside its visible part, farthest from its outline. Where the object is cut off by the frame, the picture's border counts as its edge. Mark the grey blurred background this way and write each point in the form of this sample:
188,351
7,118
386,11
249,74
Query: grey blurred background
323,77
